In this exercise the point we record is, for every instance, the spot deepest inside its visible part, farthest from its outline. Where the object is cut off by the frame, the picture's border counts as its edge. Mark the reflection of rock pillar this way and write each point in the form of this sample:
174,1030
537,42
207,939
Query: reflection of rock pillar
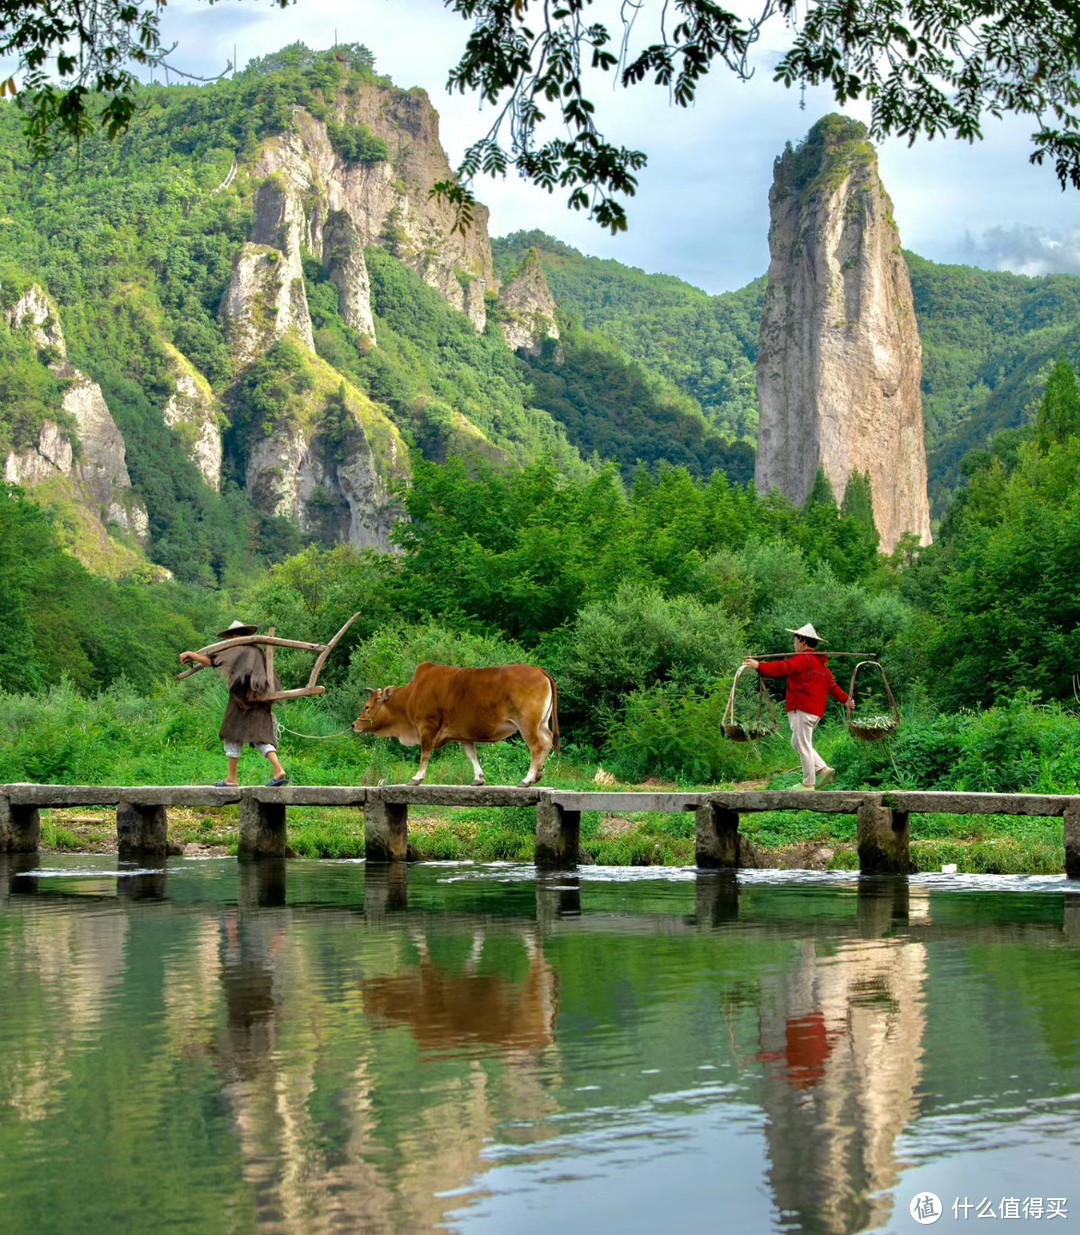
386,889
841,1042
557,897
1071,923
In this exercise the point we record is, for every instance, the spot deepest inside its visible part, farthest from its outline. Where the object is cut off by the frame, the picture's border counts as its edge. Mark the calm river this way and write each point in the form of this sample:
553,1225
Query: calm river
315,1047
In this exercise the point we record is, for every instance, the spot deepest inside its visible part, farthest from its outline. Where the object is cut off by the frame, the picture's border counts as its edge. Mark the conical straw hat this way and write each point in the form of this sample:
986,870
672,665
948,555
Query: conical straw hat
807,632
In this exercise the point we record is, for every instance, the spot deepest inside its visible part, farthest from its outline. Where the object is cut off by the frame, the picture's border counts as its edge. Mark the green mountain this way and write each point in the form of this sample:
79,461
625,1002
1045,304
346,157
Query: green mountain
706,345
222,334
989,340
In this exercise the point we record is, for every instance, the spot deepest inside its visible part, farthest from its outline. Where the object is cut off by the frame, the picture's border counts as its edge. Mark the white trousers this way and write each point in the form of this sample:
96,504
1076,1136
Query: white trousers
803,725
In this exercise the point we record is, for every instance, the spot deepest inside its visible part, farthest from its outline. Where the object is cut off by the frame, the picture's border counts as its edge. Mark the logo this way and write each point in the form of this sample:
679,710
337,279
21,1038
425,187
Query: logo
925,1208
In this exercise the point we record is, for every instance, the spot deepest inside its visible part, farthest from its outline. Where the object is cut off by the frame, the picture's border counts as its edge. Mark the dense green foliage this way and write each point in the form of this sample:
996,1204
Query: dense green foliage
58,621
533,533
706,345
835,147
989,340
615,408
29,392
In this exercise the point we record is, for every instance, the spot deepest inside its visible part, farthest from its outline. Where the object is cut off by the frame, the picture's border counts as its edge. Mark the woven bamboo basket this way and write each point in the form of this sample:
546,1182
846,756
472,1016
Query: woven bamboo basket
885,726
751,730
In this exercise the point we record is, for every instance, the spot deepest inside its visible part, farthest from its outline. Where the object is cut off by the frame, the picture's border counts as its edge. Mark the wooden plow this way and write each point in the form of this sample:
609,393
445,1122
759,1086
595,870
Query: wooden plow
269,641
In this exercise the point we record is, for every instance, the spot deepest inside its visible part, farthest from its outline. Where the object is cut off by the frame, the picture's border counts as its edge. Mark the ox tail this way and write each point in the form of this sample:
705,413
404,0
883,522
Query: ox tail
554,711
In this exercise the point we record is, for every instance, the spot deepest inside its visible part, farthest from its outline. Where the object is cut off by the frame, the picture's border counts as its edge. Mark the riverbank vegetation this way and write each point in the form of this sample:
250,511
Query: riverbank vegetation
641,599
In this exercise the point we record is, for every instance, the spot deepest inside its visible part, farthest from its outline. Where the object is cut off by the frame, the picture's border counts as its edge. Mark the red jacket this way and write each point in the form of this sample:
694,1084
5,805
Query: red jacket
810,684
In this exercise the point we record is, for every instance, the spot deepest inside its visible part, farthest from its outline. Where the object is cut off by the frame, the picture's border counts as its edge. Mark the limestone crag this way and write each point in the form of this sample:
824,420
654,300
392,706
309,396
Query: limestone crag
343,260
385,199
840,362
93,466
331,464
192,413
526,308
265,298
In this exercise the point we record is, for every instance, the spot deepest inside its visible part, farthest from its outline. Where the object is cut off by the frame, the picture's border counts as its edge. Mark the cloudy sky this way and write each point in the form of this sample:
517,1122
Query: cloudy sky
701,211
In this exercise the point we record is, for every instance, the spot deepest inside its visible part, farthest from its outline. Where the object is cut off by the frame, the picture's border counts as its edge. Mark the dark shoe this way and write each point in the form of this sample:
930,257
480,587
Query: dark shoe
277,782
225,784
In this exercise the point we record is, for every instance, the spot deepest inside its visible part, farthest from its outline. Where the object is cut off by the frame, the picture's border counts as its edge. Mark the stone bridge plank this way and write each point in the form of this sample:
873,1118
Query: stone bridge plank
948,803
829,801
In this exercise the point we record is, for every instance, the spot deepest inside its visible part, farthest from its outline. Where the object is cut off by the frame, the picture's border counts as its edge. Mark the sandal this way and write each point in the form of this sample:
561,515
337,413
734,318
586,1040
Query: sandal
225,784
277,782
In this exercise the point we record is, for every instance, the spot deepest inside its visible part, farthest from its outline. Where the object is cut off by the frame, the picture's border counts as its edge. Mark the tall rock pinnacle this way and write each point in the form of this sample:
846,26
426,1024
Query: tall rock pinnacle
840,362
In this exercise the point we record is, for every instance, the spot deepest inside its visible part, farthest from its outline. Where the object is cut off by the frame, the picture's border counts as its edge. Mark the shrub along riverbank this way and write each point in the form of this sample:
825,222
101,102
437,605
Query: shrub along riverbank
169,737
640,599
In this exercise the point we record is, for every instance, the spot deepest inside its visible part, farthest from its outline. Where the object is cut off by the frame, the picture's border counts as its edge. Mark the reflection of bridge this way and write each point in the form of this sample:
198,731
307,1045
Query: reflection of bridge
829,1031
883,818
880,906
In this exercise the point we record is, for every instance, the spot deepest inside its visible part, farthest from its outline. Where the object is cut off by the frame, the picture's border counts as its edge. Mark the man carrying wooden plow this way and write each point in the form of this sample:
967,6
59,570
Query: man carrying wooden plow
810,685
247,659
249,717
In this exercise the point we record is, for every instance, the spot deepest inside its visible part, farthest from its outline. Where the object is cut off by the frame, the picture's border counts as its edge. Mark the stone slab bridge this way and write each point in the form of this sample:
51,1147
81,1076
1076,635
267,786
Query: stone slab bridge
883,830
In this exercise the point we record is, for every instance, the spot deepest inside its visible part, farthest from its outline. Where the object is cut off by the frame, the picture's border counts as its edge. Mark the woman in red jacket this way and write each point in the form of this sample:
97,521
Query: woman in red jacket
809,687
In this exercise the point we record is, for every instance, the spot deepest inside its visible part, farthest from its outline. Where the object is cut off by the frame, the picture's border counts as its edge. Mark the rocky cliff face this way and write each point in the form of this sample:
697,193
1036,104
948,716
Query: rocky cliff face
526,308
192,413
331,462
840,363
89,468
384,199
329,189
265,298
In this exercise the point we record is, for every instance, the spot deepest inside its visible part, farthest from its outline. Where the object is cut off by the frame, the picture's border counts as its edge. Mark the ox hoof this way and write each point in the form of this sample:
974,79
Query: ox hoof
416,780
478,782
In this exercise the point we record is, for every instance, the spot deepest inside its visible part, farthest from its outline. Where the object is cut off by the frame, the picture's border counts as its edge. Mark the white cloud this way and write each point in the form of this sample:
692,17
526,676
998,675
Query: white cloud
1025,250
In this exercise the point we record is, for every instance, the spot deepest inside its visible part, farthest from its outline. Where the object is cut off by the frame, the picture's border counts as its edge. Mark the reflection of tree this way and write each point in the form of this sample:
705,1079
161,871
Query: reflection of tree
297,1185
841,1038
77,961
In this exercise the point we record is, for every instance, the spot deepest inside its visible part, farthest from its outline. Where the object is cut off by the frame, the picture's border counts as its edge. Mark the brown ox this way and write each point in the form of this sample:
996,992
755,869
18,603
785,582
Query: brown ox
442,704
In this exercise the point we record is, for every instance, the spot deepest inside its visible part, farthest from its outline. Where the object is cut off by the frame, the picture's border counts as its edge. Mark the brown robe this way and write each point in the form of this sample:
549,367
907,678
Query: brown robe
248,719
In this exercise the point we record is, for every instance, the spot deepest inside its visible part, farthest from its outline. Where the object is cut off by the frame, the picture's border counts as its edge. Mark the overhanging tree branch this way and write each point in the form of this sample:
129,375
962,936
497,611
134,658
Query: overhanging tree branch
927,68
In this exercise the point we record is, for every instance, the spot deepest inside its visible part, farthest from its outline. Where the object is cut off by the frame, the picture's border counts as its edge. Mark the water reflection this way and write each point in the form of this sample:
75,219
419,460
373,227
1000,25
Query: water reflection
456,1011
841,1040
304,1049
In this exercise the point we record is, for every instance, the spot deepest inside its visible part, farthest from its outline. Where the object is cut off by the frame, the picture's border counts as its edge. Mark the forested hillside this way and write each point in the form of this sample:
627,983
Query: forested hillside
989,339
579,502
142,248
706,345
